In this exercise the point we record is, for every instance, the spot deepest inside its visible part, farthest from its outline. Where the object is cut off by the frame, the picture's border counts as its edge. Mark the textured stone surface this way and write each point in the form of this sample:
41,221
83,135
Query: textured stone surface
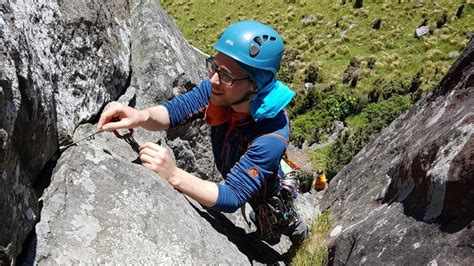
102,208
407,197
60,62
164,65
126,206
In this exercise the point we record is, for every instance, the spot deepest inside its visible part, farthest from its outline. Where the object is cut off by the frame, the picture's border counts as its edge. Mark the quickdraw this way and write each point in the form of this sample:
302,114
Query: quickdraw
128,137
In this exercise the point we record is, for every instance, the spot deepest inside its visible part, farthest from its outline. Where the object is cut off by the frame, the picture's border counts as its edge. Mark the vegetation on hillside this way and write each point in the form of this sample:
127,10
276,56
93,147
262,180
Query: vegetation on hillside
362,66
313,251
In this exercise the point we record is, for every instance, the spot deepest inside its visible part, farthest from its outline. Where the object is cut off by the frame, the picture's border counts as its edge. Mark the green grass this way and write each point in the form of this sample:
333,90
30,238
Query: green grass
319,157
357,121
314,249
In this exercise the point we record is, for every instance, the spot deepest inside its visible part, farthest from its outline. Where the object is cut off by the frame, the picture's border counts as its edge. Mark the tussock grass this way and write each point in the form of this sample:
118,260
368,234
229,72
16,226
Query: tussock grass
314,249
339,33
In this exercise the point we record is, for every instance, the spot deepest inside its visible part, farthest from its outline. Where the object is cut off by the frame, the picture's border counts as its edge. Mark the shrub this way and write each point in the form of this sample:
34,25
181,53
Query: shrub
308,127
285,75
384,89
305,180
317,114
350,142
338,105
313,74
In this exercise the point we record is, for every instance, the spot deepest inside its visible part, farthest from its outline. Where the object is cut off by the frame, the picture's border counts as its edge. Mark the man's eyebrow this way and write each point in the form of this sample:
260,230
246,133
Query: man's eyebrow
227,72
224,69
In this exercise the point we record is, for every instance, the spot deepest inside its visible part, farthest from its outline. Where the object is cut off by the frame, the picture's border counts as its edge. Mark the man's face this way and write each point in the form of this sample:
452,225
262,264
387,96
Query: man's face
223,93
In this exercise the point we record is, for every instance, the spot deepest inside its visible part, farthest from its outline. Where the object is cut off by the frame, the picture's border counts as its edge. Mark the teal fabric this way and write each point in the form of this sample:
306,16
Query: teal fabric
272,95
271,100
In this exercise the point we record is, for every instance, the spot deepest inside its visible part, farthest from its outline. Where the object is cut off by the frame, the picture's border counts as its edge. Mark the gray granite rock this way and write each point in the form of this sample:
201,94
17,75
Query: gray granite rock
102,208
453,54
407,197
422,31
164,65
60,62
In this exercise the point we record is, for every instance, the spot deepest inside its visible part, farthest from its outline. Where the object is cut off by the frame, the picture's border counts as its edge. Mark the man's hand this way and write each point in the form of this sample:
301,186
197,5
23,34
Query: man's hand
158,159
117,115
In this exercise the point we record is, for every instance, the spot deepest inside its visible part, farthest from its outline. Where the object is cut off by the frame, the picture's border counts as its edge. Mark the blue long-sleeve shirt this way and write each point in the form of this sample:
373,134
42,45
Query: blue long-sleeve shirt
246,153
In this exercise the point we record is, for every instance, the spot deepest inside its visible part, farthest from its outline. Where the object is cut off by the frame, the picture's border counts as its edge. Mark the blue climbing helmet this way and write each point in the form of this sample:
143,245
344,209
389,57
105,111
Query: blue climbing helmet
252,43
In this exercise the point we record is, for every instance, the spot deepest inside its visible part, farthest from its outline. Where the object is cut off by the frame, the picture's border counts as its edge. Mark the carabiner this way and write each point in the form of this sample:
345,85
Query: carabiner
124,136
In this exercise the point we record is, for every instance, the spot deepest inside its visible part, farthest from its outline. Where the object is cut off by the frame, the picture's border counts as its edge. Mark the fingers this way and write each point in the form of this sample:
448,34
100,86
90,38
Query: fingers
152,153
151,163
112,111
157,159
152,146
152,160
117,116
149,166
122,123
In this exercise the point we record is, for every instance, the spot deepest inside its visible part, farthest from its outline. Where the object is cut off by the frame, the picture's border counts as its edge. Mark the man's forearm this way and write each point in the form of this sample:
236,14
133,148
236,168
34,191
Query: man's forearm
155,118
203,191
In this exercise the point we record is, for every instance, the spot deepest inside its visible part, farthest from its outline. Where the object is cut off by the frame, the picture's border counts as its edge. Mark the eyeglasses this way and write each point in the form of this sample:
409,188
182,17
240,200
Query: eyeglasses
224,77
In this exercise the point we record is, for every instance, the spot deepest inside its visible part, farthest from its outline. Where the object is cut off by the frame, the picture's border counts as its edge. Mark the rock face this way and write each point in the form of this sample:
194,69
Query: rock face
60,62
164,65
100,206
407,197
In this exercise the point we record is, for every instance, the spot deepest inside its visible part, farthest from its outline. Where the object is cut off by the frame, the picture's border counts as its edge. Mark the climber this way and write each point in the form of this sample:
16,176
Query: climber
319,181
243,103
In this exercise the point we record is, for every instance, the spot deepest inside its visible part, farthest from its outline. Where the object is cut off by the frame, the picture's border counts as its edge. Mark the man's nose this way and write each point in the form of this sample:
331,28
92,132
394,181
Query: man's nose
214,79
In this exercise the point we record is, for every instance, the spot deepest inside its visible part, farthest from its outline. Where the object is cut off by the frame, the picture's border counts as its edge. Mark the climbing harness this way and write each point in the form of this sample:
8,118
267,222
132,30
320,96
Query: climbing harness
278,210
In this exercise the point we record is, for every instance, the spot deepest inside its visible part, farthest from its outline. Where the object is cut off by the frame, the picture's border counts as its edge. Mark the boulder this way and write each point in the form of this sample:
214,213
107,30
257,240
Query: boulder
422,31
453,54
407,197
102,208
60,63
